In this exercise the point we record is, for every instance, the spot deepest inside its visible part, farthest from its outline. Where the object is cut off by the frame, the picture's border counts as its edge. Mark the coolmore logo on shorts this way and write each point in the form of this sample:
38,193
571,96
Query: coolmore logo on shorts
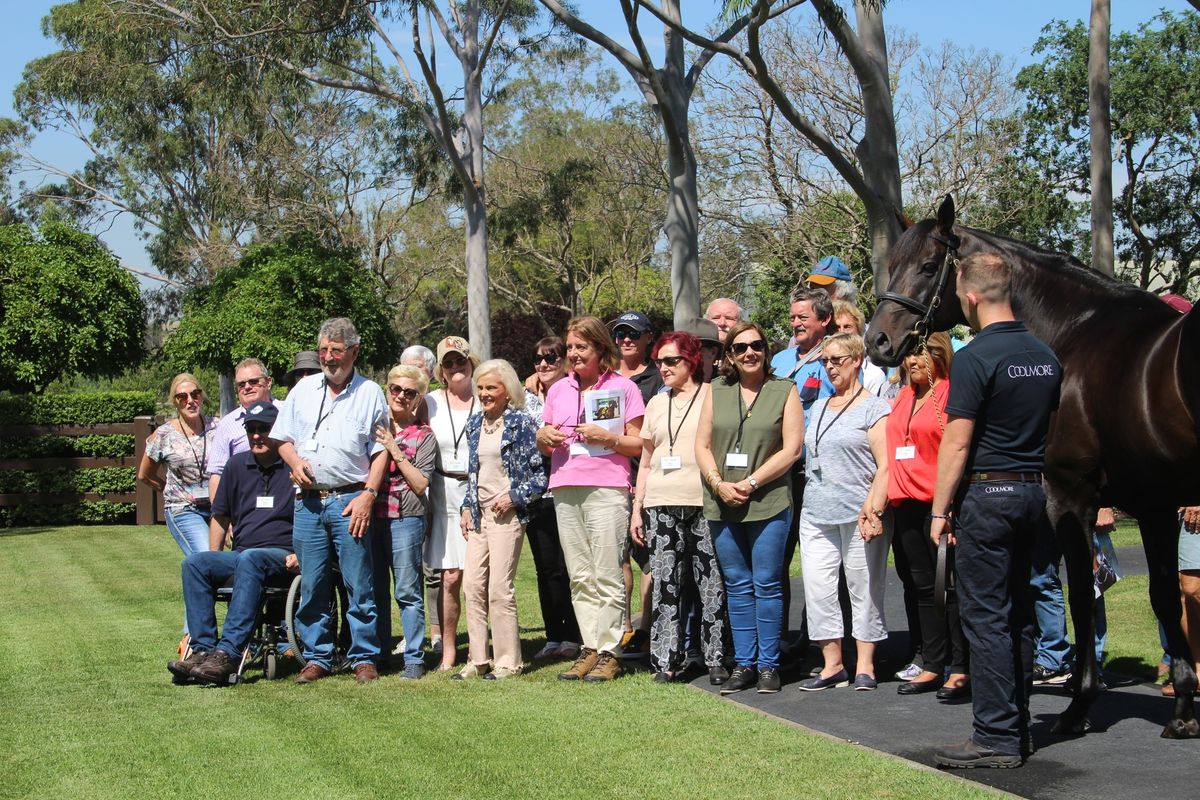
1034,371
997,489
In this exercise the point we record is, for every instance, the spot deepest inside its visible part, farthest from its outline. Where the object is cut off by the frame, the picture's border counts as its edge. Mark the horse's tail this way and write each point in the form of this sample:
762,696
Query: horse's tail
1188,363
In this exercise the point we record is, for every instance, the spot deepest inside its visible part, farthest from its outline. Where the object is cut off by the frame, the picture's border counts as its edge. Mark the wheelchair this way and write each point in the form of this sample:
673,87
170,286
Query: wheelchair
275,626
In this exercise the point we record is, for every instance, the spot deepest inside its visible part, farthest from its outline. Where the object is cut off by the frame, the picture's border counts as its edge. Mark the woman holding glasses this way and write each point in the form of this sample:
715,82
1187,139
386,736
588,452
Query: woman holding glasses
401,506
841,523
750,430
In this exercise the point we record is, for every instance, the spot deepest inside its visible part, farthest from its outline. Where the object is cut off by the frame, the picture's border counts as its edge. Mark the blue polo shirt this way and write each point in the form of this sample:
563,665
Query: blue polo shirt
812,382
242,483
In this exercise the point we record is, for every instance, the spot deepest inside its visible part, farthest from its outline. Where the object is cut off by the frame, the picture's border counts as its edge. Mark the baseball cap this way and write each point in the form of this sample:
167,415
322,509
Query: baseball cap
631,319
828,270
266,413
453,344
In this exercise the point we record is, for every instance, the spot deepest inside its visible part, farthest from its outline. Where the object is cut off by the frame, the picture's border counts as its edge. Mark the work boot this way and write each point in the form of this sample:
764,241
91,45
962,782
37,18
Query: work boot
216,669
182,669
607,668
583,665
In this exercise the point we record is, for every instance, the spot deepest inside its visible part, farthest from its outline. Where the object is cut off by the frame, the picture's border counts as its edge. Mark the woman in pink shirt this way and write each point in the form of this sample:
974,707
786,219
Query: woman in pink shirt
593,421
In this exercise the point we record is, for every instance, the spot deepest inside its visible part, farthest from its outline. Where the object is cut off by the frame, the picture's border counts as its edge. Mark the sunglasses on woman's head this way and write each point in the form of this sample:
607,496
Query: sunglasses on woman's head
670,361
549,358
195,394
409,394
758,346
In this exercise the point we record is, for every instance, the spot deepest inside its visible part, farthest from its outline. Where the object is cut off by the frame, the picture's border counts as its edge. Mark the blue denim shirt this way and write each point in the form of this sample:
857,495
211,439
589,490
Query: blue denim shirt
521,459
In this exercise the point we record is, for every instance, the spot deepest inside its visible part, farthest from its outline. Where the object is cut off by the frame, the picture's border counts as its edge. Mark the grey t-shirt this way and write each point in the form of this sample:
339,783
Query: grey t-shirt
840,464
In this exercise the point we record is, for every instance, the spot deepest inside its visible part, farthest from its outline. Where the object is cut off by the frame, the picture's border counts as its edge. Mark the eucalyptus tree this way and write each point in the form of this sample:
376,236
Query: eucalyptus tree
322,42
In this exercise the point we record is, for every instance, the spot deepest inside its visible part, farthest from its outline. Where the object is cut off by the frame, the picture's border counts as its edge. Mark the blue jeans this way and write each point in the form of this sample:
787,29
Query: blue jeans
248,571
322,539
1053,649
751,559
189,528
407,536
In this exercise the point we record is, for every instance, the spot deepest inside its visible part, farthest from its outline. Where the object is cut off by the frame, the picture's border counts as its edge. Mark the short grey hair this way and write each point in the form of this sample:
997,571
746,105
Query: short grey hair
741,312
422,352
822,305
843,290
251,362
508,377
339,329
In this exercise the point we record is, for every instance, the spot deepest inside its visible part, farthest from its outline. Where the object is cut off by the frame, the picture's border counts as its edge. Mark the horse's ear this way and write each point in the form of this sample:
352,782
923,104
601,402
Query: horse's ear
904,220
945,214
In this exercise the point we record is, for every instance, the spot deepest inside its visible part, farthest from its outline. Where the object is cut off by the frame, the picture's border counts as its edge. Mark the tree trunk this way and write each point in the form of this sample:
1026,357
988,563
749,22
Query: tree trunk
682,224
1101,138
479,307
878,152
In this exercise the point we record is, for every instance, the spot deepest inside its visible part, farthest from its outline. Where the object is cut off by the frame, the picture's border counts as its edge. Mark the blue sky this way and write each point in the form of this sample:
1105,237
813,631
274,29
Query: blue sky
1007,27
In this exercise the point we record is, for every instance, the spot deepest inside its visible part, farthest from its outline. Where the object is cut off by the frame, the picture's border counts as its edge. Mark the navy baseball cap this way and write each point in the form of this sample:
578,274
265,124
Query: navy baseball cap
828,270
631,319
266,413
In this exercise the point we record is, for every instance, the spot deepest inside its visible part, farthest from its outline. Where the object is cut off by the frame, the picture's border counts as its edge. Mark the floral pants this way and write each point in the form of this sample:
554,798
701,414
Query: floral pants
683,565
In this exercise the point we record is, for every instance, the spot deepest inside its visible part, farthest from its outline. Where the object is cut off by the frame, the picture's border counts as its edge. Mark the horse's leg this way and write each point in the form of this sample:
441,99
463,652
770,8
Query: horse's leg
1160,538
1073,519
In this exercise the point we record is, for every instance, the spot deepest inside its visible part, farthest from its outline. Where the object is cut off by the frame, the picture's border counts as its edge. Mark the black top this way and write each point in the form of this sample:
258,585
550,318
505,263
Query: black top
1007,381
648,381
242,483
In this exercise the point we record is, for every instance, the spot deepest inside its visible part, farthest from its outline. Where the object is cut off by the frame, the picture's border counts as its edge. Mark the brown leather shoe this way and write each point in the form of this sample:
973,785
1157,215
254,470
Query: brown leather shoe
312,672
607,667
182,669
365,672
583,665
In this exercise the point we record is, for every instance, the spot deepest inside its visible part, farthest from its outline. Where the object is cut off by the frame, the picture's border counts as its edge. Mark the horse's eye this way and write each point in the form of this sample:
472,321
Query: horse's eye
929,268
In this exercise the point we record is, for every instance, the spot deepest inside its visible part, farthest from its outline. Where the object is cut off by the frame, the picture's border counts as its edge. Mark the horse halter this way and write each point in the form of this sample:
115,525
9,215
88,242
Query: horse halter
926,311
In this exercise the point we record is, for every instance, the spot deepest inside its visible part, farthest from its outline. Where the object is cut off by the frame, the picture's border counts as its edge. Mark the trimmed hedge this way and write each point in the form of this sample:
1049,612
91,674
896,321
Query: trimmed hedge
62,480
75,409
52,446
98,512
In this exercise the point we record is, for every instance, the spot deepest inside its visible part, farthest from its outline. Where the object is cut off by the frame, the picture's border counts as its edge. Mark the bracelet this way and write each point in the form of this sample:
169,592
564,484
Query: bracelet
941,516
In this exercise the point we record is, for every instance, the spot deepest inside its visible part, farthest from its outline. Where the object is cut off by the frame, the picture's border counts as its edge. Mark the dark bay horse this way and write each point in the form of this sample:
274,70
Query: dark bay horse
1126,430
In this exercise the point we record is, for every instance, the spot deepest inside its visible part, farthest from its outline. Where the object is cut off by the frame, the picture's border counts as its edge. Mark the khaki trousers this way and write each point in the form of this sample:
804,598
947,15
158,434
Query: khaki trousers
593,524
488,587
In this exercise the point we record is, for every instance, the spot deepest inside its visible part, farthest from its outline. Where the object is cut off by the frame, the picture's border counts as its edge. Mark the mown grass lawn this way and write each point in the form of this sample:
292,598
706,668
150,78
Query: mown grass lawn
87,710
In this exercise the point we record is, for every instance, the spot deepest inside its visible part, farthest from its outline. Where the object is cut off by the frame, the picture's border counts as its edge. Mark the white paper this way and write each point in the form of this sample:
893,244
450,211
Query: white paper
741,460
906,453
606,408
310,446
264,502
671,463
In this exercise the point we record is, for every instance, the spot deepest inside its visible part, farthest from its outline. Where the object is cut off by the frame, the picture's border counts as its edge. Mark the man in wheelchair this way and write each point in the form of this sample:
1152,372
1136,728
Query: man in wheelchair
255,495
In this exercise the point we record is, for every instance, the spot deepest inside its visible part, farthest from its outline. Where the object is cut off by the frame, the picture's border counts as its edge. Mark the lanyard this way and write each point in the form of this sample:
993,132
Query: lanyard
321,417
203,457
819,433
457,437
737,444
671,437
808,358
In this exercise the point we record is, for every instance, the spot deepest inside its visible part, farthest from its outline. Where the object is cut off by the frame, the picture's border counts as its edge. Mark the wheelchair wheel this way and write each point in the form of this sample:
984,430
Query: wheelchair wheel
339,603
271,664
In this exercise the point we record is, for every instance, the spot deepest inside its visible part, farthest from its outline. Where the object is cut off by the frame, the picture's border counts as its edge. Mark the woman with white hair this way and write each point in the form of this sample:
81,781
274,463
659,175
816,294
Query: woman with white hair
504,476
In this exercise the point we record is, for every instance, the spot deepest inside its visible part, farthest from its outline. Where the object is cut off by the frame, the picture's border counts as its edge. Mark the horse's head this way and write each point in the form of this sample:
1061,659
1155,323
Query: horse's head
920,294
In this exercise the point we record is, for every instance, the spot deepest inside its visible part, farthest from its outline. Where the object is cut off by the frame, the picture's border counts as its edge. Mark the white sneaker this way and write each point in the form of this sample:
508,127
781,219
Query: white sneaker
568,650
550,650
398,650
909,673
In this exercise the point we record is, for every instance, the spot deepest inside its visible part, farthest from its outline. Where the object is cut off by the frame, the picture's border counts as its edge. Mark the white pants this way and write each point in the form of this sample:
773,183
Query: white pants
825,548
593,527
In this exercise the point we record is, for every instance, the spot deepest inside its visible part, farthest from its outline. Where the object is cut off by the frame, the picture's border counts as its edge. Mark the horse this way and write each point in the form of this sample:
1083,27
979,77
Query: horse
1125,433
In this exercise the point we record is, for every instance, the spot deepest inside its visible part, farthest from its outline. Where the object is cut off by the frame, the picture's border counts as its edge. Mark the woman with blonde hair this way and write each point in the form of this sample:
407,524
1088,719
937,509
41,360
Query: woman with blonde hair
504,477
593,422
401,507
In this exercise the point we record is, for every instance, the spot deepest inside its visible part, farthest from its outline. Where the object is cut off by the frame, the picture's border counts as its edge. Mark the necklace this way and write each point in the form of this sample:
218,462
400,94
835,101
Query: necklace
490,426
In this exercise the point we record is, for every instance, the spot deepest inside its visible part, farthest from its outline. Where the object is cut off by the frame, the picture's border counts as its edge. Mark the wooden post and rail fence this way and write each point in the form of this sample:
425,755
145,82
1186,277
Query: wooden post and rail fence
148,501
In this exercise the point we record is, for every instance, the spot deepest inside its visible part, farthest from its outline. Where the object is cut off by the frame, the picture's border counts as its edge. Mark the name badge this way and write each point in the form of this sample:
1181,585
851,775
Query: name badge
578,449
310,446
671,463
737,460
264,501
906,453
453,465
198,491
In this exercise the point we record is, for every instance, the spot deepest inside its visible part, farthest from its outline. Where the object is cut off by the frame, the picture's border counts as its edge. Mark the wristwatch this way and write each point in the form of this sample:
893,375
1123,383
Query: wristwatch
752,481
373,492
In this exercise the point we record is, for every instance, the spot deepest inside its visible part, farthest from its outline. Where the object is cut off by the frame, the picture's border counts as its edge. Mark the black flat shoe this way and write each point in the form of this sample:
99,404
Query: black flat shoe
954,692
718,675
918,687
741,678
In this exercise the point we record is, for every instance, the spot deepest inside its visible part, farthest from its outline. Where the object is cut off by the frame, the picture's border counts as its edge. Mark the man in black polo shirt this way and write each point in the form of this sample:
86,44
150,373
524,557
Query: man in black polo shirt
1003,388
257,496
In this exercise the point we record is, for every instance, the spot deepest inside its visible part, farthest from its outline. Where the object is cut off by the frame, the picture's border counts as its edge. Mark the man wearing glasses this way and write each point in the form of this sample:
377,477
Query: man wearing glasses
326,433
253,387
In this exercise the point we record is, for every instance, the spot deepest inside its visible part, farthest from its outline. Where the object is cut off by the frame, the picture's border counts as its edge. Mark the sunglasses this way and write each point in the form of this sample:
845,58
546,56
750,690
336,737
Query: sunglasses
195,394
251,383
836,361
627,333
257,428
739,348
670,361
409,394
453,361
549,358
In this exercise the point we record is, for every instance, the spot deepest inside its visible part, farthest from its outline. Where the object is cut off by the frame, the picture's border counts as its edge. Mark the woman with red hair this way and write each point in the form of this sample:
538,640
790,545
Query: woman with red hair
668,515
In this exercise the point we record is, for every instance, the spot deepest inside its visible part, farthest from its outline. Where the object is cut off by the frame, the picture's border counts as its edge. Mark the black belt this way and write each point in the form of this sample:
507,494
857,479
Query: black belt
1008,477
309,494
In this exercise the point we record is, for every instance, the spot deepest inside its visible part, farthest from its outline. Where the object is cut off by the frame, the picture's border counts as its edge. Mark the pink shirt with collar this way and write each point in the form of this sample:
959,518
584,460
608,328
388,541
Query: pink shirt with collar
563,408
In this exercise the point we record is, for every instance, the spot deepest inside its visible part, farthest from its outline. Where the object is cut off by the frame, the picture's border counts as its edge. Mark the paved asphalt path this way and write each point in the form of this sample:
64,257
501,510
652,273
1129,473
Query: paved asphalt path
1123,756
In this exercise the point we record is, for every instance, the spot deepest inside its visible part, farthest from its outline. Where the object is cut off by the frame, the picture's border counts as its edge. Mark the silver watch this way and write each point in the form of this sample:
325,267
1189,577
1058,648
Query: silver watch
752,481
